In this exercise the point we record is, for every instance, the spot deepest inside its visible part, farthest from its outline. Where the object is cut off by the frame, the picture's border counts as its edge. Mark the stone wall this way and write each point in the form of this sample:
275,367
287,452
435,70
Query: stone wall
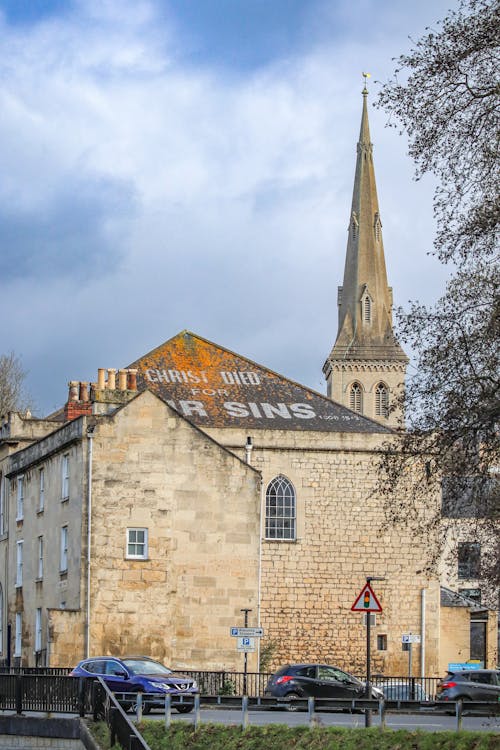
309,585
200,505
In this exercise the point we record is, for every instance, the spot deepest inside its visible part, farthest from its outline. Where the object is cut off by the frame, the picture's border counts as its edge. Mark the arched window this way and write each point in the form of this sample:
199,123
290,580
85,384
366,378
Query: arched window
381,400
356,398
280,509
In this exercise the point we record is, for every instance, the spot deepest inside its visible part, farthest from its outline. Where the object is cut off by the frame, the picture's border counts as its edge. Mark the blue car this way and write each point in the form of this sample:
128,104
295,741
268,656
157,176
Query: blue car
139,674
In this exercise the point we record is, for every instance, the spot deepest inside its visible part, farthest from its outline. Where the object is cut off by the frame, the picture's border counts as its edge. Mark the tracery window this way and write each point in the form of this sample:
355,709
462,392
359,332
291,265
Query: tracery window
381,400
280,509
356,398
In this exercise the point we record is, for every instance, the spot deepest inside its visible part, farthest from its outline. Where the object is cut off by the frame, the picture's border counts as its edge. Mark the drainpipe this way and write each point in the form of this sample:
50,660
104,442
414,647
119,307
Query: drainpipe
248,450
259,584
422,632
90,438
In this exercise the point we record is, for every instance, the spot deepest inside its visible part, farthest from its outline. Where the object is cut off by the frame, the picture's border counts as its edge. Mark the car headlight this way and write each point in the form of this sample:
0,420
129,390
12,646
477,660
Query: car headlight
194,685
161,686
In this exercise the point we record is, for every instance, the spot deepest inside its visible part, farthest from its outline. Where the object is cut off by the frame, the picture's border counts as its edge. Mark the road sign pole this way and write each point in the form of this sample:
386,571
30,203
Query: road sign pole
245,664
368,692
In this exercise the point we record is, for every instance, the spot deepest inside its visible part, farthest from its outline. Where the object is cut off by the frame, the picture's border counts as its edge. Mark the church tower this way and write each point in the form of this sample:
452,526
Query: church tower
366,368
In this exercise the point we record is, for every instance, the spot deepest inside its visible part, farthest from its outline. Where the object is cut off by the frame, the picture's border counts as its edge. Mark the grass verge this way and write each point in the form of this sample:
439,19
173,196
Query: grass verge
281,737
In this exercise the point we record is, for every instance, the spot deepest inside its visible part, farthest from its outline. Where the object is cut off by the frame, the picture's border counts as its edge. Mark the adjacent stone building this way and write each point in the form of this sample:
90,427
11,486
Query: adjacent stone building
163,501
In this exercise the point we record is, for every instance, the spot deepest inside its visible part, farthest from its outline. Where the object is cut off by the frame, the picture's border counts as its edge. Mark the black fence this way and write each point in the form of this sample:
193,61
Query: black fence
254,684
40,692
223,682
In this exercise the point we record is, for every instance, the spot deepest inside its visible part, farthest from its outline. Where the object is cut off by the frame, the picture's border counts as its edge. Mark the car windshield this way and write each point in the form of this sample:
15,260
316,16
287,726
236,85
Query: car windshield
146,666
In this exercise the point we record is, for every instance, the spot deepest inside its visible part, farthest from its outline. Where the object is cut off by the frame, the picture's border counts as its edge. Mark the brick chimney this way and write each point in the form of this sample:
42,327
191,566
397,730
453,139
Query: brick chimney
78,403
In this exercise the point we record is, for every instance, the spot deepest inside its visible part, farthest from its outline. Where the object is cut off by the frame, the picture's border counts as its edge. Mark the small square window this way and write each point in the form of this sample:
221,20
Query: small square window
137,544
382,642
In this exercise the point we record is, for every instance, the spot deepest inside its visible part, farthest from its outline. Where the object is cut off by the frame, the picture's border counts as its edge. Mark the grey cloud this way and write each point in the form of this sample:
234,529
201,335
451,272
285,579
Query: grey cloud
76,233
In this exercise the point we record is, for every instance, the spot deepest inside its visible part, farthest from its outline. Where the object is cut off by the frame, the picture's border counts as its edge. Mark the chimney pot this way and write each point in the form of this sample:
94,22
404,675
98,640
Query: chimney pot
101,379
122,380
84,393
111,378
132,380
73,390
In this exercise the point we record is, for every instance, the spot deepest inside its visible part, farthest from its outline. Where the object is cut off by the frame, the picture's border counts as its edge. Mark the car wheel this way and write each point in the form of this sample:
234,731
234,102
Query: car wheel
292,697
184,709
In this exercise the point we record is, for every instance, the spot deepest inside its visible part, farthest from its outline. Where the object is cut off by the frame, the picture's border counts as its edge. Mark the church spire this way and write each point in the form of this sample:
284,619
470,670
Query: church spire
366,354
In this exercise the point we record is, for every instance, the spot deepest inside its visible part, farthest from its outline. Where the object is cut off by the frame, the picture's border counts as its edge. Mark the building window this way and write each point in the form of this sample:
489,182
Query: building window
137,544
356,398
382,400
280,509
18,643
38,629
381,642
2,504
41,490
1,618
469,560
19,564
40,558
65,477
20,499
63,564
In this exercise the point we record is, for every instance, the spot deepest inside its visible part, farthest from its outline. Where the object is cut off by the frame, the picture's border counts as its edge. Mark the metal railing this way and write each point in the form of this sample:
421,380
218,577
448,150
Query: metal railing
252,684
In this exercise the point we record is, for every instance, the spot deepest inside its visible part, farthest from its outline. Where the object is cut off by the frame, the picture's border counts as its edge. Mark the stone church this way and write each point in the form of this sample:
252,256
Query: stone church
170,497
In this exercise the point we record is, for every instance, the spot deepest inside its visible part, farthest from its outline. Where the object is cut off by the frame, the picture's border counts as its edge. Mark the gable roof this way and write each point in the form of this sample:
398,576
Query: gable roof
214,387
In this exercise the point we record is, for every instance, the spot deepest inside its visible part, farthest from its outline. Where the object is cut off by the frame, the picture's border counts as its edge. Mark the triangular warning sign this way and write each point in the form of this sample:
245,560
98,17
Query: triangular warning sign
366,601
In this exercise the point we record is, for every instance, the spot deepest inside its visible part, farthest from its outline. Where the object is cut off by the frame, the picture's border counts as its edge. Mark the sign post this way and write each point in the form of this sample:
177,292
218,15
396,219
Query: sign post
245,669
409,639
368,602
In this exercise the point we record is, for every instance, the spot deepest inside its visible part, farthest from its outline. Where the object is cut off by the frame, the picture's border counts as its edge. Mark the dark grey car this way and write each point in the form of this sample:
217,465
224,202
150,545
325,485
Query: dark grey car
470,685
317,680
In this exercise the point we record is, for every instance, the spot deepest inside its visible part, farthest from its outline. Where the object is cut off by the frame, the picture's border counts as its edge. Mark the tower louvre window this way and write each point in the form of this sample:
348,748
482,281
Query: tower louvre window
356,398
367,309
381,400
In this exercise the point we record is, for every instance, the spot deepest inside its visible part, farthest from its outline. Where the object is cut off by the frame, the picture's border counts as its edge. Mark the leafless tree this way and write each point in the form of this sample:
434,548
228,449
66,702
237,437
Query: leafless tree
12,377
445,96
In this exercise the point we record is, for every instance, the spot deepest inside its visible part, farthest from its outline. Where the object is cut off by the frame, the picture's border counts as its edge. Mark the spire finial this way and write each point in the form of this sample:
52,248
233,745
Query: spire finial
365,88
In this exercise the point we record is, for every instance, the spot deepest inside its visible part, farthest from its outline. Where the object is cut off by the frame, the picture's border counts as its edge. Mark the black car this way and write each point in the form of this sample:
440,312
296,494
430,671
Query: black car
317,680
470,685
140,674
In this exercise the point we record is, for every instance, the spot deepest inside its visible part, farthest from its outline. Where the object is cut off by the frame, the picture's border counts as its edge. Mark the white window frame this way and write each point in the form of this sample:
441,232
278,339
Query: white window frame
65,477
38,629
18,641
1,619
281,510
40,558
2,503
41,488
133,545
20,498
63,560
19,563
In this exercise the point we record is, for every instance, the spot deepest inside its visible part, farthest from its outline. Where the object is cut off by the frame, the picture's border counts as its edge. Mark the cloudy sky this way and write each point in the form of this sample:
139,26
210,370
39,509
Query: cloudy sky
173,164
